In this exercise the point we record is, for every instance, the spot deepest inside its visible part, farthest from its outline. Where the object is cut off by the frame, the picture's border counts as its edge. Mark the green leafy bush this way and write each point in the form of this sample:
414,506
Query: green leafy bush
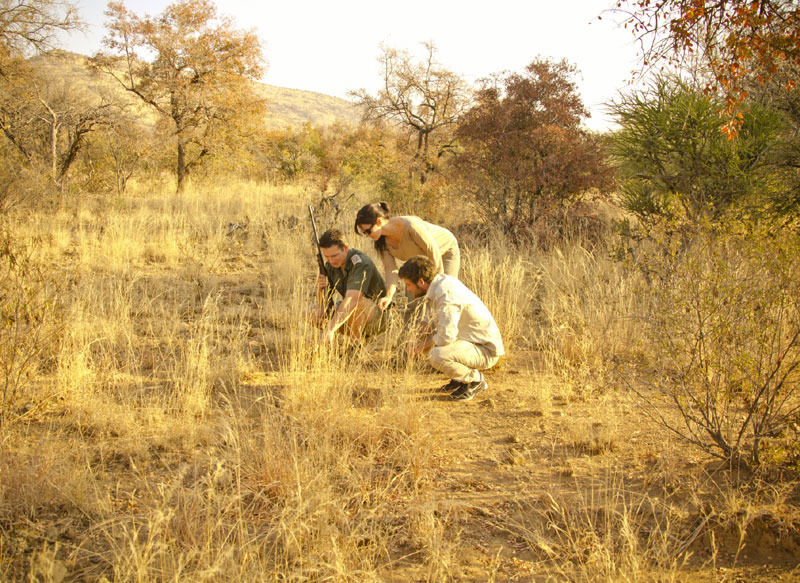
674,159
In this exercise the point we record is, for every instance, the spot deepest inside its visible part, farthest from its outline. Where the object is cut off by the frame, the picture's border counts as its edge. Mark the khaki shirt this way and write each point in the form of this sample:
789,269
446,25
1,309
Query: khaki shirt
418,238
459,314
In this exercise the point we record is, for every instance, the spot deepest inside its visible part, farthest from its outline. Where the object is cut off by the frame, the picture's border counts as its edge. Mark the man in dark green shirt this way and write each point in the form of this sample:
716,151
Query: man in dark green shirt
355,277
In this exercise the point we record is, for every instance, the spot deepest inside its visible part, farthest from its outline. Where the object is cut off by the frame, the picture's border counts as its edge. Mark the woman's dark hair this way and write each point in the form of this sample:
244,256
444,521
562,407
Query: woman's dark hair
368,215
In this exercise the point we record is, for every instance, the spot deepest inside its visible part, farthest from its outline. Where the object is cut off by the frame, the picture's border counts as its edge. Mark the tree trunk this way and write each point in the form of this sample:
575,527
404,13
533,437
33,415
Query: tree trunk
54,153
181,169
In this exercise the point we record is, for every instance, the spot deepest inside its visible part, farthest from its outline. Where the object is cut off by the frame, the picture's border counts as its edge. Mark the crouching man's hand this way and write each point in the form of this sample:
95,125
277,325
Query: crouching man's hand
417,347
326,338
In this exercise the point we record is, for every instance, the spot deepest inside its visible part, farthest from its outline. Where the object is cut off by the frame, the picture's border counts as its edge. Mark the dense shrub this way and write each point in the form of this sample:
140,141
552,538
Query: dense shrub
674,159
523,152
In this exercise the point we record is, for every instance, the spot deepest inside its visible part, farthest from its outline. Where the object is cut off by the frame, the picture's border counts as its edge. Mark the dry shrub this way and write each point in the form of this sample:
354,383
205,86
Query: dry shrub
723,331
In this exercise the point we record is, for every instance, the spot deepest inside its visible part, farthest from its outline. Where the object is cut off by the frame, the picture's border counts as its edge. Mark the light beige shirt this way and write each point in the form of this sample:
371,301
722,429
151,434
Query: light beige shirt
418,237
460,315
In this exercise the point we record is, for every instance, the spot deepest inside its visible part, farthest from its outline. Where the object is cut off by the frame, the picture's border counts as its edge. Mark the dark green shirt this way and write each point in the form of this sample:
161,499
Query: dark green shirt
358,272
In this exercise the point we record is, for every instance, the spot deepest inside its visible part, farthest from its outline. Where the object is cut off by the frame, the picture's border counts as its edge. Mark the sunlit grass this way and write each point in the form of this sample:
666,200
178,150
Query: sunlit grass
181,421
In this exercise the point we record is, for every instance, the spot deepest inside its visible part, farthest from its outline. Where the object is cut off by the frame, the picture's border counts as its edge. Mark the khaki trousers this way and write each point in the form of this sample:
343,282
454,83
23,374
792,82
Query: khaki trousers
462,360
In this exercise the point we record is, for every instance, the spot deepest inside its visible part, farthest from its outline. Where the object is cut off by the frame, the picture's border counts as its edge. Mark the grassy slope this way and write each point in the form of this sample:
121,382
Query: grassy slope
294,107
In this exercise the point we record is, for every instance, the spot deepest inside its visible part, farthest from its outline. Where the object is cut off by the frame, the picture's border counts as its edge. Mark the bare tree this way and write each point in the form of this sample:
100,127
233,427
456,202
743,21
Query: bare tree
422,97
26,26
68,119
32,24
48,119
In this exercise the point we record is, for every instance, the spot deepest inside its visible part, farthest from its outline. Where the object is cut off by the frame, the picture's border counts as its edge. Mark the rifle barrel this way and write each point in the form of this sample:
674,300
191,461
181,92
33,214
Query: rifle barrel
328,297
320,258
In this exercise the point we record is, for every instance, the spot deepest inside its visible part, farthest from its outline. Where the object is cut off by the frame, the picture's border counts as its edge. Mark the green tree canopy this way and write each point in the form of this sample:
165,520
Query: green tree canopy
735,39
675,161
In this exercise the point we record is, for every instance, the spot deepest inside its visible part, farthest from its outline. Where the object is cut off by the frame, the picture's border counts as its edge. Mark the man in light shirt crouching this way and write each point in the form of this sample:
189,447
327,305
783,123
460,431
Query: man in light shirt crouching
462,336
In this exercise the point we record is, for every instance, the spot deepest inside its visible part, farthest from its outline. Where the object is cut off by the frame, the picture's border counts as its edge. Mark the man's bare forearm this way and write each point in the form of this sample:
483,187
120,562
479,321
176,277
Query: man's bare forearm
343,312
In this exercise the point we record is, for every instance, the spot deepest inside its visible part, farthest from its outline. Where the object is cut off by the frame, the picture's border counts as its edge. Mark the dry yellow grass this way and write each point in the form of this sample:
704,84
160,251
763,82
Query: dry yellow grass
179,423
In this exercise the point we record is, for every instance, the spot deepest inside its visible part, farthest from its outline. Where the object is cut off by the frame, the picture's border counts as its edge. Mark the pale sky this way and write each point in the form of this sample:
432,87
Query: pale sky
332,46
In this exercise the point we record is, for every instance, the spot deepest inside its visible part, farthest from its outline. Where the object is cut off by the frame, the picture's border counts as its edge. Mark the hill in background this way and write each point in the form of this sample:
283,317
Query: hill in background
285,107
295,107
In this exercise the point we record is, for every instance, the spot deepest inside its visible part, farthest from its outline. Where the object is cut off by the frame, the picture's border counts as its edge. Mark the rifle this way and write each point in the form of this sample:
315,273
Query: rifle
328,300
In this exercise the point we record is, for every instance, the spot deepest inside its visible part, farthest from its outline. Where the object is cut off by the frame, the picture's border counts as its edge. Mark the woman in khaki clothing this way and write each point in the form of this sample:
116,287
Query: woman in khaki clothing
400,238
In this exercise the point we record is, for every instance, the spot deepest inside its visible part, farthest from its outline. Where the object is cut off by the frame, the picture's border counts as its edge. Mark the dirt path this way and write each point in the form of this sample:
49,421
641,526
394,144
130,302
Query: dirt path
491,451
527,454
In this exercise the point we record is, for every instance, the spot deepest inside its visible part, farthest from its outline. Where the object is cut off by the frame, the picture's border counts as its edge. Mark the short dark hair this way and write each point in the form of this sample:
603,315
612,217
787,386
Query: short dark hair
332,237
416,268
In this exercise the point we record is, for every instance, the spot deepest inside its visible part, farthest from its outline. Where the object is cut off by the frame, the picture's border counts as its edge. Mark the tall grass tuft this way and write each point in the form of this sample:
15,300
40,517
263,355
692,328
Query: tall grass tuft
30,318
506,285
604,533
585,321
